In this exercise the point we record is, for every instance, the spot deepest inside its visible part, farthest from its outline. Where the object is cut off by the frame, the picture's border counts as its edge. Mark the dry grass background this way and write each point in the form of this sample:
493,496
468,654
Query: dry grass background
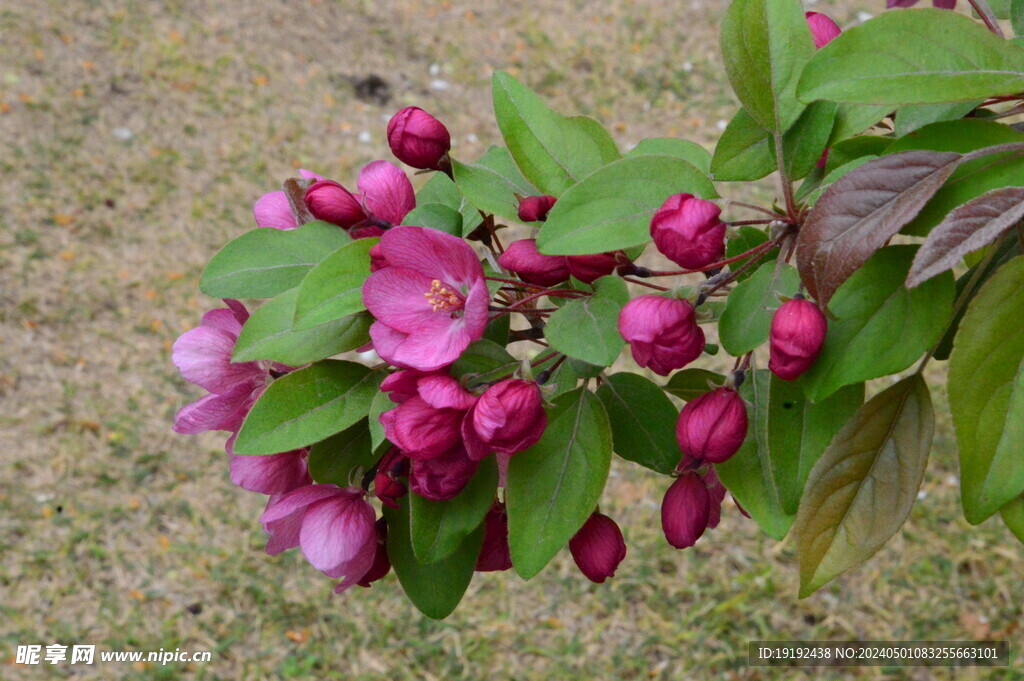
135,136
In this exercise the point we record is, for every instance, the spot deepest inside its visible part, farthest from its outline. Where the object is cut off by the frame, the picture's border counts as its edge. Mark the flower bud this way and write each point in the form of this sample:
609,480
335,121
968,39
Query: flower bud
712,427
687,231
823,29
386,484
535,208
381,564
442,477
494,553
662,332
598,548
329,201
716,495
685,510
418,139
797,334
590,268
523,258
508,418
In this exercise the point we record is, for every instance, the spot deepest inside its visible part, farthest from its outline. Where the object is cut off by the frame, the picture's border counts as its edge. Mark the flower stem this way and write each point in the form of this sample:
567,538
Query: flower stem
987,16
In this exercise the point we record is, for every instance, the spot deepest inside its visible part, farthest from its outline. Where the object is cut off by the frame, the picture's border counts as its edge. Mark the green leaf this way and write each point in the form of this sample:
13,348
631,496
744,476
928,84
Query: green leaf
481,359
986,394
744,151
804,143
787,436
853,119
749,309
265,262
440,527
554,485
307,406
1017,20
643,421
434,588
335,459
552,151
913,116
926,56
435,216
690,383
862,488
612,208
691,152
441,189
746,239
765,45
380,404
491,184
1013,516
268,334
334,288
497,330
588,328
880,327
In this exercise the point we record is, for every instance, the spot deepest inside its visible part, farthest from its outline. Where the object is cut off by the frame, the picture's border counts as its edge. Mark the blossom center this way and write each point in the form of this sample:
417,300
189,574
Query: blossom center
440,297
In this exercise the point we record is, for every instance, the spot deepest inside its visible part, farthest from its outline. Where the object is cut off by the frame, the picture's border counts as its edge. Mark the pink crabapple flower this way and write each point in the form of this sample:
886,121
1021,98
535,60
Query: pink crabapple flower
203,356
273,210
386,484
687,231
495,555
442,477
662,333
381,563
590,268
535,208
334,526
796,337
429,301
428,424
598,548
418,139
271,474
385,197
508,418
685,510
533,267
712,427
823,29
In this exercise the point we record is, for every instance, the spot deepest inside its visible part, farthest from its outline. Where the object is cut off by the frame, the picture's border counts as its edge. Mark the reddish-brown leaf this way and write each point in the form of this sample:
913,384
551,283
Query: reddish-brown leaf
863,210
973,225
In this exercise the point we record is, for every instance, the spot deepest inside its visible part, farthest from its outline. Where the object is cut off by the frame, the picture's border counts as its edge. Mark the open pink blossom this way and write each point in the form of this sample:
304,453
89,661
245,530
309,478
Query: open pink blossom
335,527
428,424
273,210
271,474
430,300
203,356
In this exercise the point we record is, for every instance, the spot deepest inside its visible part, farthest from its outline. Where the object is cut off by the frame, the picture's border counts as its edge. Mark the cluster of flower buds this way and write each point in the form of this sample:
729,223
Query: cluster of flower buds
522,258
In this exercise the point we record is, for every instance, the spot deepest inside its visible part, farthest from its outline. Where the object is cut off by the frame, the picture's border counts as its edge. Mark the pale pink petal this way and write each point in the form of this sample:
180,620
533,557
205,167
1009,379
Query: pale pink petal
421,431
216,412
434,253
283,530
387,192
397,296
203,356
335,531
273,210
434,346
444,392
309,174
224,320
488,417
476,447
355,569
298,499
272,474
387,342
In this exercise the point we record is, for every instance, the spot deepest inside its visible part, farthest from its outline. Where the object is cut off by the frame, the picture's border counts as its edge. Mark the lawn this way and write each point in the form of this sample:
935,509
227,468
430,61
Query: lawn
136,136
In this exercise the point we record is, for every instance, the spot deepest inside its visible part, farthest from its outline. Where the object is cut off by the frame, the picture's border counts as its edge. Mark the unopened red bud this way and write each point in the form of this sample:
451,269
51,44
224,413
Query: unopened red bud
685,510
797,334
662,333
443,477
535,208
712,427
823,29
598,548
381,564
494,553
329,201
508,418
533,267
590,268
716,495
418,139
687,231
386,484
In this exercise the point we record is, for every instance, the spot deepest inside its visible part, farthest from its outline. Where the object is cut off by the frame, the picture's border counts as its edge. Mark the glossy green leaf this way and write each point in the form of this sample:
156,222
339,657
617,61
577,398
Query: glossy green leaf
265,262
1013,516
440,527
441,189
925,56
913,116
492,182
862,488
483,358
612,208
435,216
336,459
691,152
690,383
643,421
434,588
268,334
334,288
749,309
986,394
380,404
880,327
307,406
553,152
554,486
1017,20
744,151
588,328
804,142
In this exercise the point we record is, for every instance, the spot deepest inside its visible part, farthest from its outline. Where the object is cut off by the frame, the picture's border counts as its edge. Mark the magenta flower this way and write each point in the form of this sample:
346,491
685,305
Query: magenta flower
662,333
508,418
418,139
327,200
335,528
535,208
428,424
687,231
598,548
442,477
273,210
797,335
685,510
590,268
712,427
823,29
203,356
381,563
386,484
495,555
716,495
533,267
271,474
430,300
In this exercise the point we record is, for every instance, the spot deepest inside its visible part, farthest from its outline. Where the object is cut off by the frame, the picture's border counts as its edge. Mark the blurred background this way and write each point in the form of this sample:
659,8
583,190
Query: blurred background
135,137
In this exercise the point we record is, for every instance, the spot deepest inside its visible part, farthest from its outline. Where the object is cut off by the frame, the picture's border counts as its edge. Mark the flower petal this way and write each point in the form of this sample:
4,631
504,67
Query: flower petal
387,192
272,474
203,356
433,253
335,531
273,210
397,297
217,412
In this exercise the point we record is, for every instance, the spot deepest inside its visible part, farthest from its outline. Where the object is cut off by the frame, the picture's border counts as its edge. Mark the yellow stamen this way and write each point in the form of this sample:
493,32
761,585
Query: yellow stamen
441,297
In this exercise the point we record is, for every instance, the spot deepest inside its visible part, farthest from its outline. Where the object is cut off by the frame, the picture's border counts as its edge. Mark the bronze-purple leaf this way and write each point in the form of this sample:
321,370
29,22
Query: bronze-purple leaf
973,225
863,210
